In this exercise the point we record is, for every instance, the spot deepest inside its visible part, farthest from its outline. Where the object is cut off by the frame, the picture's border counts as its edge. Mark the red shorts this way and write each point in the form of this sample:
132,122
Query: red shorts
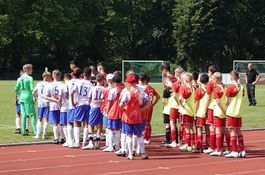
188,120
210,118
174,114
234,122
200,122
220,122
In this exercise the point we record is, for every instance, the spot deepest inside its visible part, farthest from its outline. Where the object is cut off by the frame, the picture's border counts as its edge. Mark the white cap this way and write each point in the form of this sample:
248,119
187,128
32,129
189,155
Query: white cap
109,77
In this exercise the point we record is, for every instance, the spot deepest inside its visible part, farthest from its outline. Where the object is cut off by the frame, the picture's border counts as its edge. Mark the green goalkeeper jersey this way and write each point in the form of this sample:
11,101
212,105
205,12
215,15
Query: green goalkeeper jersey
24,88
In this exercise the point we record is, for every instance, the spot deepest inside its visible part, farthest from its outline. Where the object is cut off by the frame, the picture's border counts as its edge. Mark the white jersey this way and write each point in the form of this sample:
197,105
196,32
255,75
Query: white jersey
63,94
96,96
54,90
42,90
82,89
70,85
113,92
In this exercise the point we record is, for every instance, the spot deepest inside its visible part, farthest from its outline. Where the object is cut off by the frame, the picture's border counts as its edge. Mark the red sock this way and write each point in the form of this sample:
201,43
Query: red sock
192,139
222,137
212,140
241,142
188,139
184,133
180,134
233,141
207,140
173,135
227,140
218,142
199,141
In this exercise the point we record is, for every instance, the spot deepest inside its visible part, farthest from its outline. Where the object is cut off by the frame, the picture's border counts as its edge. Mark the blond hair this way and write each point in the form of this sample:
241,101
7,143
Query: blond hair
218,76
27,67
46,74
56,73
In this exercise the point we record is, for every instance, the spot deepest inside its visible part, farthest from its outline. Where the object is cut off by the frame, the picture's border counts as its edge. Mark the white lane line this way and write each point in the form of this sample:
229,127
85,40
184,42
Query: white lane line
32,151
244,172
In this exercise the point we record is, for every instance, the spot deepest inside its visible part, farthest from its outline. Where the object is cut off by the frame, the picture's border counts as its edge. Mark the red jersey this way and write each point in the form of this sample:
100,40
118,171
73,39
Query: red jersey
171,77
115,111
210,87
218,91
199,93
176,86
105,99
233,90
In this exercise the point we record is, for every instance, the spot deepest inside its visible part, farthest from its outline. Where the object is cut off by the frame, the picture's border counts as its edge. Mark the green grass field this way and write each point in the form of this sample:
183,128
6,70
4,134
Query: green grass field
254,117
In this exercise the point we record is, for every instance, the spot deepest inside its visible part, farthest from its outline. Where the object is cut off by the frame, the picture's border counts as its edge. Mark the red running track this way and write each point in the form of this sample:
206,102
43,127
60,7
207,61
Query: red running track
54,159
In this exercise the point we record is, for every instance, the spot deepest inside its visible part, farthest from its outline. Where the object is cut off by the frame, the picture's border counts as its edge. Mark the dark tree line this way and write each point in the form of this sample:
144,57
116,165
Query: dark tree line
191,33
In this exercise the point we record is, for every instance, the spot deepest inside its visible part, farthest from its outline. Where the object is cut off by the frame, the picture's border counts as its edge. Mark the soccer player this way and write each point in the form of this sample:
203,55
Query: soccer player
201,109
95,115
63,95
187,109
219,112
79,99
24,88
235,94
71,109
113,113
54,106
174,113
131,102
101,69
43,104
18,111
209,128
165,69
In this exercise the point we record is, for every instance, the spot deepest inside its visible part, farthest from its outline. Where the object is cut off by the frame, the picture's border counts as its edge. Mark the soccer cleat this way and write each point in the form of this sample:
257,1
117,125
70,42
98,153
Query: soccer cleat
216,153
208,151
76,145
65,144
27,131
226,152
62,141
70,145
108,149
172,145
144,156
89,146
104,147
36,137
55,141
232,155
44,137
147,142
130,157
17,131
197,150
116,148
163,144
183,147
120,153
189,148
97,146
242,154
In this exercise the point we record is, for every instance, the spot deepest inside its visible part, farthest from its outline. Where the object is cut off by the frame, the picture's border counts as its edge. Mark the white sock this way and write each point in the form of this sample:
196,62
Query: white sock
17,122
62,136
85,135
38,128
117,136
55,132
45,127
107,137
123,142
141,144
70,134
110,139
27,122
65,132
77,134
134,142
129,144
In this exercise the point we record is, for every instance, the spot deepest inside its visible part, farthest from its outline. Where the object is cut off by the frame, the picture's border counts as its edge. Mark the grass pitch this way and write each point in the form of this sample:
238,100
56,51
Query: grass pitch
253,117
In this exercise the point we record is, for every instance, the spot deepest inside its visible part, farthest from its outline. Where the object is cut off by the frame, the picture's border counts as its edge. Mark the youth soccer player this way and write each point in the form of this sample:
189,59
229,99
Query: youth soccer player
43,104
80,100
201,109
219,112
18,111
24,88
235,94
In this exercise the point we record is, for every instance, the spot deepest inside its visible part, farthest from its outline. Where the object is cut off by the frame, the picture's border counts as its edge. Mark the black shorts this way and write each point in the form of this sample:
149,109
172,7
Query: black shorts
166,118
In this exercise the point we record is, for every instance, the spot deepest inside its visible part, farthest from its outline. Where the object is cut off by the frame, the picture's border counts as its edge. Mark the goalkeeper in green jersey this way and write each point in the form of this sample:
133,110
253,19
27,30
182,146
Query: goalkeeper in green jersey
24,88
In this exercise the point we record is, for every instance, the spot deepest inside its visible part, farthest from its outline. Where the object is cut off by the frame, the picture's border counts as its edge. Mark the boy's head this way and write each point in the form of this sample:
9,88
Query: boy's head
109,78
165,68
100,79
28,69
212,69
195,76
217,77
167,82
67,77
204,78
116,80
77,72
100,67
131,79
117,73
234,75
93,70
178,71
73,65
56,75
87,72
129,72
187,78
143,77
46,76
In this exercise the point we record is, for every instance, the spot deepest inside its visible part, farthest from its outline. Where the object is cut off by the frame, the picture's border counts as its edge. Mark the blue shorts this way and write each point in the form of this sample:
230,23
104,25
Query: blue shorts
81,113
70,115
54,117
114,124
63,118
95,117
18,110
43,112
142,126
130,129
105,121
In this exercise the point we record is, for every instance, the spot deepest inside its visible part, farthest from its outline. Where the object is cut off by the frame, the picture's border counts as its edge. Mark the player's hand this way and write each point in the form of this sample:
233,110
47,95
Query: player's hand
254,83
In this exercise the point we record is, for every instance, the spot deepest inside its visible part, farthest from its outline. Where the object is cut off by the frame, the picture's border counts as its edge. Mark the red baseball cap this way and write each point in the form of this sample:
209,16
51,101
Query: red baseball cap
131,79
